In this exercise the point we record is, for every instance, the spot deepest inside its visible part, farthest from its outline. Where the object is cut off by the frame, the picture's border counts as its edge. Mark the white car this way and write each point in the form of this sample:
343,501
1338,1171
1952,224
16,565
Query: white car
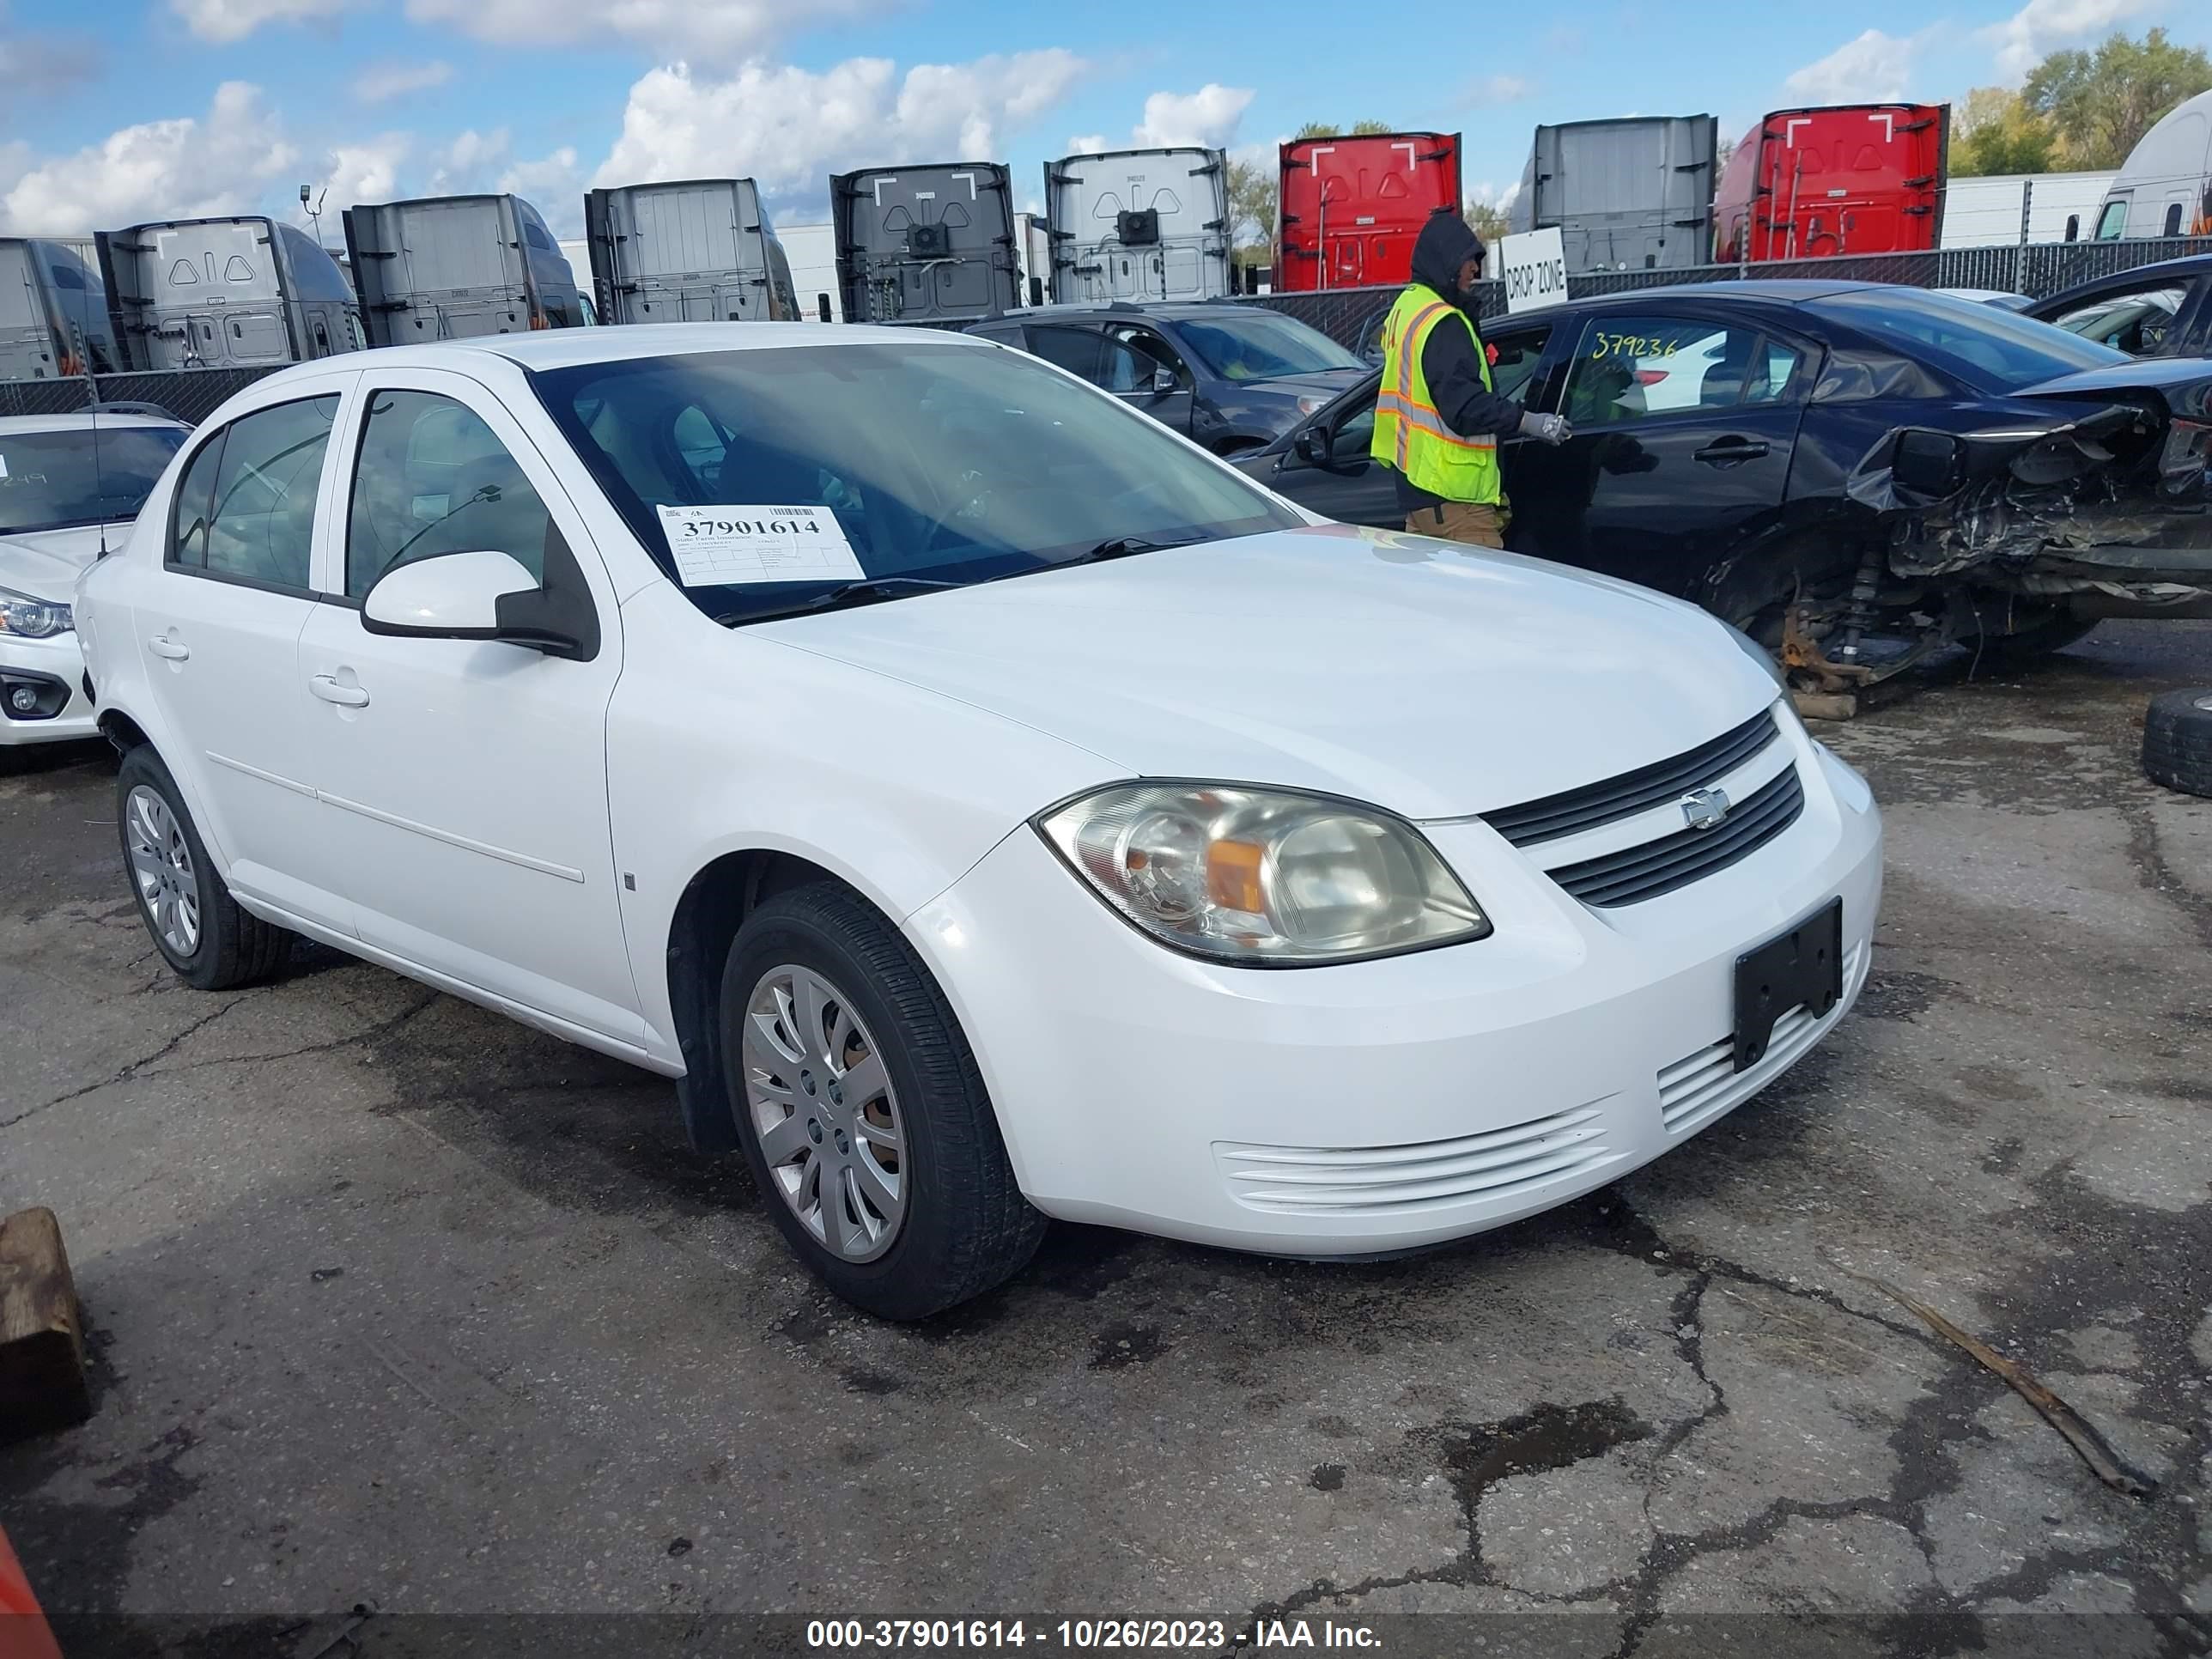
69,483
988,805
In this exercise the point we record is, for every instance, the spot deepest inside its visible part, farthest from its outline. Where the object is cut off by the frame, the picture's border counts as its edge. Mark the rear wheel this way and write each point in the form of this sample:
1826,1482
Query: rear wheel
2177,745
199,929
862,1112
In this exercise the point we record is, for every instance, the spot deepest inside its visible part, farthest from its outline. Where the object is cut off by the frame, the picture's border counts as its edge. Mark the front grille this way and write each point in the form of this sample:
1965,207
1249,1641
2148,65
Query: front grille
1659,867
1385,1180
1631,793
1702,1086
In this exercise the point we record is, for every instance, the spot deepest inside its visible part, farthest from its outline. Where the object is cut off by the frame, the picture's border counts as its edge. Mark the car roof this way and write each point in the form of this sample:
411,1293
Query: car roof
1172,310
570,347
83,420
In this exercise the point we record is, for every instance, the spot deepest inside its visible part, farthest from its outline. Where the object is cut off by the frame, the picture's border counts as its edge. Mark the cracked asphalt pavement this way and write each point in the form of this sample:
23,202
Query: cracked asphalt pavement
394,1301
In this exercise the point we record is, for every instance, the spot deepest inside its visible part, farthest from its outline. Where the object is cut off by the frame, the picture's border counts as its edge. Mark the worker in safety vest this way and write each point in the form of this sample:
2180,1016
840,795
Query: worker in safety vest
1436,420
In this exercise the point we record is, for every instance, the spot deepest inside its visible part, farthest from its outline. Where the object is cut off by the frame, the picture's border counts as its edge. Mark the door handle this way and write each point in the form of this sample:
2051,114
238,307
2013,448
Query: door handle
326,687
1730,449
175,650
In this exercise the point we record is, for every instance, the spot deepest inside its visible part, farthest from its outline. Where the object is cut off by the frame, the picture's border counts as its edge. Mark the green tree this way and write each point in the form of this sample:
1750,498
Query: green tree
1487,219
1251,205
1370,129
1318,130
1993,130
2100,104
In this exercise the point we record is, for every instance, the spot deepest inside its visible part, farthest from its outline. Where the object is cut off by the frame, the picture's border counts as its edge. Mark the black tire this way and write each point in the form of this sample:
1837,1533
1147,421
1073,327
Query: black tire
234,948
966,1226
2031,644
2177,745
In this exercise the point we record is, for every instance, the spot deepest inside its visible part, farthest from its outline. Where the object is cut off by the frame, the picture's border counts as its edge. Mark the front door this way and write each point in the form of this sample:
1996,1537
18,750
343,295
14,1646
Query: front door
1683,432
1114,365
219,623
464,792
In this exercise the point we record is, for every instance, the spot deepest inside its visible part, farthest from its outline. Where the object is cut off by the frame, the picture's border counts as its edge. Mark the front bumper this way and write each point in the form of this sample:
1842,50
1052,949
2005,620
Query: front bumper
1381,1105
57,666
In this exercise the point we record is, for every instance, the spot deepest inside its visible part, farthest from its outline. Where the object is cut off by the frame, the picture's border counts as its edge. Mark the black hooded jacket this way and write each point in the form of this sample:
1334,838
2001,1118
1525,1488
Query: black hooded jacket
1448,357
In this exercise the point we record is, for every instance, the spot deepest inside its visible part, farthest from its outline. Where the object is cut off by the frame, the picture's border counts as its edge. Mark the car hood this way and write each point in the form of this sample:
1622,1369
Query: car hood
1425,677
46,563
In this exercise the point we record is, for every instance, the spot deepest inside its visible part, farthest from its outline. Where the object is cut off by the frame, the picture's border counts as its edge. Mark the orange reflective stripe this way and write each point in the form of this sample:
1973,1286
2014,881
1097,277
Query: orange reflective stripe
1409,412
1407,347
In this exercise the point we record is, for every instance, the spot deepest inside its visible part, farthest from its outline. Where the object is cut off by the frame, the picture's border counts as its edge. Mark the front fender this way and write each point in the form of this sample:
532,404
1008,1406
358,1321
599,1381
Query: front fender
722,741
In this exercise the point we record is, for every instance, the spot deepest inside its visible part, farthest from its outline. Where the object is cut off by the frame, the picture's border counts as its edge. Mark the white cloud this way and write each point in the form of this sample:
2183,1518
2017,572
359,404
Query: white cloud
1871,70
233,20
1088,144
39,66
175,169
1500,89
379,83
1207,117
554,185
789,127
1488,194
367,172
2041,27
716,30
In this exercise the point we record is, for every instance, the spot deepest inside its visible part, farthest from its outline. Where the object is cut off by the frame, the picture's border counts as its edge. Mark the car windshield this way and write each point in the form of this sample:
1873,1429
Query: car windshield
1260,345
58,479
945,463
1990,348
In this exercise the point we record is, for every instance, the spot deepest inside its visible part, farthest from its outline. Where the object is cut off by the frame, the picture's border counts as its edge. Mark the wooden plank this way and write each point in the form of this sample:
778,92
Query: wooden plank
42,1380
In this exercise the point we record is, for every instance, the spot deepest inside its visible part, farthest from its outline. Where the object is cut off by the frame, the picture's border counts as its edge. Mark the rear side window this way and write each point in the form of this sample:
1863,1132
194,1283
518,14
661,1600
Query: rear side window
1075,350
247,505
433,479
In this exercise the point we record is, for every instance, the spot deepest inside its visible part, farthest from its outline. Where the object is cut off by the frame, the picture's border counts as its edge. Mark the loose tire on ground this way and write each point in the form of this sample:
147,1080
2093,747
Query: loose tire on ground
2177,743
210,942
962,1226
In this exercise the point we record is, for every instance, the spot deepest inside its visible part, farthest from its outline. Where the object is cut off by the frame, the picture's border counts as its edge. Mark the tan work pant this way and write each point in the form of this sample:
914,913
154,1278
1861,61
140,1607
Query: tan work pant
1479,523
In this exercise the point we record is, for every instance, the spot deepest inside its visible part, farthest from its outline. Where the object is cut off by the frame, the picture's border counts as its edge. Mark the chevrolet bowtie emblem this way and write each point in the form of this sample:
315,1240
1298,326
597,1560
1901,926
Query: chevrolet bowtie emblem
1705,809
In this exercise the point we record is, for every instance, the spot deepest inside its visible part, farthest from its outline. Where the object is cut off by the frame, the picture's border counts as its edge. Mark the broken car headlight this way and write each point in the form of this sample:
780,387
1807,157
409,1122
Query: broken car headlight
1262,876
30,618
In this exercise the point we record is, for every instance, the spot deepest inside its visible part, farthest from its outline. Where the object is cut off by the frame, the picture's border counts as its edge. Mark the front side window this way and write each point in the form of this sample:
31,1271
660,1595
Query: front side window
2135,323
1513,362
1239,344
946,462
247,505
51,480
1158,353
1630,366
2112,224
433,479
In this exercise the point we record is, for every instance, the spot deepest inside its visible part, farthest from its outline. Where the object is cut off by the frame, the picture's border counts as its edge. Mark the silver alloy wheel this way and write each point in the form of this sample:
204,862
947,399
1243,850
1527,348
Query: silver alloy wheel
825,1112
161,867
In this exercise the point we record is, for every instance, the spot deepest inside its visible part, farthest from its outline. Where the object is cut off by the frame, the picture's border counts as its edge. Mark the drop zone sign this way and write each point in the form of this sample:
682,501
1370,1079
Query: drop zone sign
1534,266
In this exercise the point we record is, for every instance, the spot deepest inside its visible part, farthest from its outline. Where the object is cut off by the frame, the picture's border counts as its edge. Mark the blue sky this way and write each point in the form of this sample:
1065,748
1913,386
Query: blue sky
122,110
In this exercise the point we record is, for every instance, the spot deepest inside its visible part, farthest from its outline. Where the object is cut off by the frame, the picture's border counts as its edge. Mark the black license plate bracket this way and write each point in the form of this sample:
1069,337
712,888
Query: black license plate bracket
1802,966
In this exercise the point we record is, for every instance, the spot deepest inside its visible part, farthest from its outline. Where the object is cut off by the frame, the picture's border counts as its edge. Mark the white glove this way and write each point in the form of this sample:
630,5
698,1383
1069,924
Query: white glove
1546,428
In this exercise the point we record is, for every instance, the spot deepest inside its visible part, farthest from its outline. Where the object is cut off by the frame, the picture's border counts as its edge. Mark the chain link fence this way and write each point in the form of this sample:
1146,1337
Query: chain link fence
1349,315
190,394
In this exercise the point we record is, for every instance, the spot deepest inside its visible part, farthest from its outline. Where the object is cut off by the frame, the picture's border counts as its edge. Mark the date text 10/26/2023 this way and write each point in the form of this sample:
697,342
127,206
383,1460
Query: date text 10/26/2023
1162,1635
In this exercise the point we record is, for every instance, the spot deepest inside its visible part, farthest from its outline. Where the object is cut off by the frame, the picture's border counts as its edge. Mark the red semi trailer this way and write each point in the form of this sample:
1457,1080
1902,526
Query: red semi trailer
1351,207
1805,184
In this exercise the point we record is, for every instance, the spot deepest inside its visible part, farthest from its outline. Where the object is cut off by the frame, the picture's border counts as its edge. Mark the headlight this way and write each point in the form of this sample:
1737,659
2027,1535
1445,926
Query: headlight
1758,653
1261,877
34,619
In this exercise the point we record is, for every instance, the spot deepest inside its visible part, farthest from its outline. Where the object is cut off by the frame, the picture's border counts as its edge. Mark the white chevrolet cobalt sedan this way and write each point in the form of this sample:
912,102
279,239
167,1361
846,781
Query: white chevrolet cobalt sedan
69,484
987,806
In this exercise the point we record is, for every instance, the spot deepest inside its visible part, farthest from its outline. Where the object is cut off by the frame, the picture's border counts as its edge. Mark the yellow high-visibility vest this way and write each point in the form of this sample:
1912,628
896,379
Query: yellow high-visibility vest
1409,434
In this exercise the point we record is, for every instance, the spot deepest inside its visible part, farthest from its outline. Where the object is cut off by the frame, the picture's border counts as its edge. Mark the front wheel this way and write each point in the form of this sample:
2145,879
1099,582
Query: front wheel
862,1112
199,929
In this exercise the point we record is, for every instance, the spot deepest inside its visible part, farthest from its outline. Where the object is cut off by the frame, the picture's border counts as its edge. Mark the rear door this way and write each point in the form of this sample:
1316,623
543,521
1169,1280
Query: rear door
1684,429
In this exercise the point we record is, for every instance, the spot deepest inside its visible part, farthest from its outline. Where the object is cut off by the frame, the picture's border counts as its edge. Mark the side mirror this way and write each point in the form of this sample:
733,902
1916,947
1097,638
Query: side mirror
472,596
1163,382
1312,446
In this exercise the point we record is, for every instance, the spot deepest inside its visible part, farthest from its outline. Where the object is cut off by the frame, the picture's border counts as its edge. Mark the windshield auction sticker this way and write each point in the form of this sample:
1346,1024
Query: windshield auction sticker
730,546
